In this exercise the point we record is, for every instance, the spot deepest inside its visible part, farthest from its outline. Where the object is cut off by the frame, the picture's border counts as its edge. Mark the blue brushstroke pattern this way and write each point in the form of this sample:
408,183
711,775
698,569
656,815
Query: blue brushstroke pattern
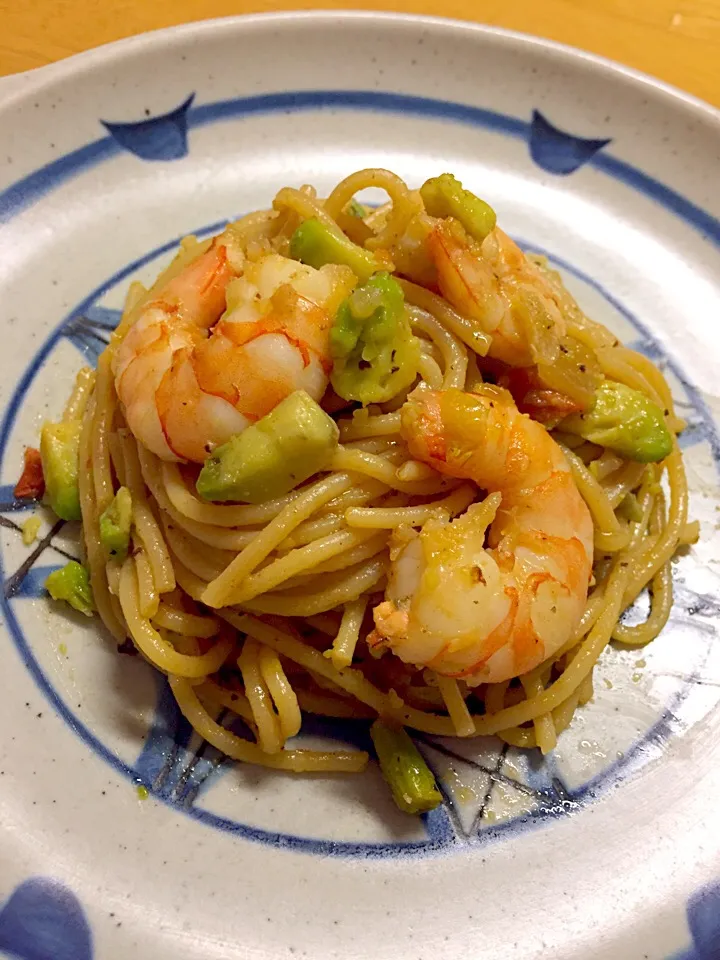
43,920
703,916
23,193
32,586
27,191
104,318
90,331
157,138
704,921
162,757
557,151
8,503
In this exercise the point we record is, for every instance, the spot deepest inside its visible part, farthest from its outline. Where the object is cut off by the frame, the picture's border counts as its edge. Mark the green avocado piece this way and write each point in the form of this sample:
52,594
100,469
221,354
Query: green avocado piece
315,244
410,779
626,421
71,583
375,354
59,444
274,455
115,523
445,196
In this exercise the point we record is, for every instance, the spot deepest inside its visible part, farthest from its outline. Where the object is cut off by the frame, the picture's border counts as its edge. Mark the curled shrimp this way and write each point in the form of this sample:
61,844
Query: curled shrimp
487,613
221,343
496,285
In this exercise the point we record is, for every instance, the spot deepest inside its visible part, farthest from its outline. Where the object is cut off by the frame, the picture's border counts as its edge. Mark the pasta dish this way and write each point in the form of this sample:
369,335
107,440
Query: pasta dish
368,462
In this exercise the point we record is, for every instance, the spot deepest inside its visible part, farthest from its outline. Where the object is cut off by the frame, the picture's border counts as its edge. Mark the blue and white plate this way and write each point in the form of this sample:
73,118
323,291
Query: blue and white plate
609,848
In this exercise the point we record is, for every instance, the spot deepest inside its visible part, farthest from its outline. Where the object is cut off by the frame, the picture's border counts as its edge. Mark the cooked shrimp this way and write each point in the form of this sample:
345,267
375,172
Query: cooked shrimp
487,613
496,285
190,373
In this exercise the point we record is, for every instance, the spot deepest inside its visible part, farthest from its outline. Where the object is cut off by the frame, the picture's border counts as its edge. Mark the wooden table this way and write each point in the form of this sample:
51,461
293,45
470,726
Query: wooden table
677,40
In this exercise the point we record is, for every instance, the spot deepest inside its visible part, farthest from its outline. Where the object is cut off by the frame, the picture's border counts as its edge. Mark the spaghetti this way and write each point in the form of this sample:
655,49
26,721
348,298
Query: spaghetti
264,611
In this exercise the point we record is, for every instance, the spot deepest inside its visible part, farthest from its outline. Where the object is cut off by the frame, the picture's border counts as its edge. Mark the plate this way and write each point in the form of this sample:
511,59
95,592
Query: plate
123,836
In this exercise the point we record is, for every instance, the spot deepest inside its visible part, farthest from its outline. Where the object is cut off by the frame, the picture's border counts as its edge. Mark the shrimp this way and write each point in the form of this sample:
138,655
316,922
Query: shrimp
496,285
220,344
487,613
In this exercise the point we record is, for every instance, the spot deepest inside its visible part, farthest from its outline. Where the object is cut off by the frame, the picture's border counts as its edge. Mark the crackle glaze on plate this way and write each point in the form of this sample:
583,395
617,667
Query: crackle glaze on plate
606,849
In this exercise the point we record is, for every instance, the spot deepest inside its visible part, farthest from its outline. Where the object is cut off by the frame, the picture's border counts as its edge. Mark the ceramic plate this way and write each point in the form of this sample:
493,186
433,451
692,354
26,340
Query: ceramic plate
608,848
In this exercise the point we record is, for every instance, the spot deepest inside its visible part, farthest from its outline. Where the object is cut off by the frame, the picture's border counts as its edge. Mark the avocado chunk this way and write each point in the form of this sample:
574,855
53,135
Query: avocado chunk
626,421
274,455
410,779
59,445
115,523
71,583
375,354
315,244
445,196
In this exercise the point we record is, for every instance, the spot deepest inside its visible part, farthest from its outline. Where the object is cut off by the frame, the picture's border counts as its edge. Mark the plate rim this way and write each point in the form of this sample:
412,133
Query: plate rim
38,78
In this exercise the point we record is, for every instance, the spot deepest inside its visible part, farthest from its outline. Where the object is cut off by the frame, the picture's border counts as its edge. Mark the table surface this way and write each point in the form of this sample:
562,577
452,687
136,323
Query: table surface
676,40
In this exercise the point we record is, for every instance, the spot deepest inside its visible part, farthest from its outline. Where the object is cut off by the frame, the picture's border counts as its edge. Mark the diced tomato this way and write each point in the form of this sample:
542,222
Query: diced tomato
31,485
